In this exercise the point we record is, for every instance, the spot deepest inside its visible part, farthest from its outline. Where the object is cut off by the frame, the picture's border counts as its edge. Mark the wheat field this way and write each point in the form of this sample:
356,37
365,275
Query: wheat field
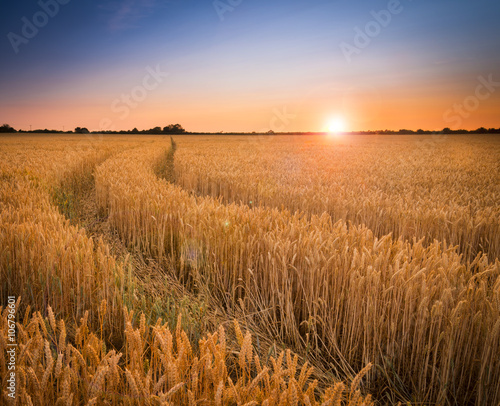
251,270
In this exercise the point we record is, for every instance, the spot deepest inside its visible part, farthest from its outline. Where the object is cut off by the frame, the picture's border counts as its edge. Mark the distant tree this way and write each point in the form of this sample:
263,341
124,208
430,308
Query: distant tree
178,129
135,131
404,131
173,129
7,129
82,130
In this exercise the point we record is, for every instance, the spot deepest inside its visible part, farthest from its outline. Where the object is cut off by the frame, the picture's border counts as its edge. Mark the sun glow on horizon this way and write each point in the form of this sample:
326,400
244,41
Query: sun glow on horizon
337,125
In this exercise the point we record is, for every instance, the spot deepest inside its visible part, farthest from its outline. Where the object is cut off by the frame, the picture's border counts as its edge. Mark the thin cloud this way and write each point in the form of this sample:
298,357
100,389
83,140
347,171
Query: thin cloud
126,14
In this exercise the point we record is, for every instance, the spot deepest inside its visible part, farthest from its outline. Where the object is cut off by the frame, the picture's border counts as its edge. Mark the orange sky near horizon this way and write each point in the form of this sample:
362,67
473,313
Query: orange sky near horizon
361,109
262,66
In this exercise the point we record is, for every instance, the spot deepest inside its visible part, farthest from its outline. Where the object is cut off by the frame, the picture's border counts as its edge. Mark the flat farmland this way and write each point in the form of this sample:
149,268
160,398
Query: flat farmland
225,269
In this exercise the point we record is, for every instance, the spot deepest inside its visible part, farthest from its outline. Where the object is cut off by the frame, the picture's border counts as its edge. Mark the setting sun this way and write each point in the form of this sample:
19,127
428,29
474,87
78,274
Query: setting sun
337,125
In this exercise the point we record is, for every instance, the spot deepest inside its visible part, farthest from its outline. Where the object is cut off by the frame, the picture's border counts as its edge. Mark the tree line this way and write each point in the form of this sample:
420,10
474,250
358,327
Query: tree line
178,129
169,129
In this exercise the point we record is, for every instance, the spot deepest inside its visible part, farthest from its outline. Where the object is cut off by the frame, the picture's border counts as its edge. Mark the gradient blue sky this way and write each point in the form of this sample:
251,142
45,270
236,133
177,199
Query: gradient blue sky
267,65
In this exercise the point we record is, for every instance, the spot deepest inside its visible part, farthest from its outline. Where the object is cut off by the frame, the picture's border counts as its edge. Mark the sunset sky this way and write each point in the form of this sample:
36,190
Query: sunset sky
250,65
